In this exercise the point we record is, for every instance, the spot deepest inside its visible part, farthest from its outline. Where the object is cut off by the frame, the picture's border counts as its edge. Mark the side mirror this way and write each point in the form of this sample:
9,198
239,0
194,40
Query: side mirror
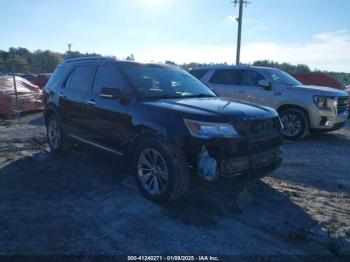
112,93
266,84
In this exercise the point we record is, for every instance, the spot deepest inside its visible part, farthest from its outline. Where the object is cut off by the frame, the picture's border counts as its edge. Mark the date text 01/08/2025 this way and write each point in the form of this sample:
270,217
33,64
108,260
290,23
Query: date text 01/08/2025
173,258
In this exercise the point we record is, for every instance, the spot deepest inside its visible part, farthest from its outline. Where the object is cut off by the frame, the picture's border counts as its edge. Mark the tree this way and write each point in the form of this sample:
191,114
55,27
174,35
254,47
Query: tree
300,68
130,58
45,61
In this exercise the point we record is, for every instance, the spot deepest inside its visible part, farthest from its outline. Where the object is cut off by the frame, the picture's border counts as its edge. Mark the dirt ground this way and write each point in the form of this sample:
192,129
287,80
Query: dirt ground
87,203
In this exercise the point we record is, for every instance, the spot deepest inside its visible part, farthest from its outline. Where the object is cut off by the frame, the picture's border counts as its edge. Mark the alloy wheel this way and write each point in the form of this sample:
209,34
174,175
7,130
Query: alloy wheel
152,171
291,125
54,134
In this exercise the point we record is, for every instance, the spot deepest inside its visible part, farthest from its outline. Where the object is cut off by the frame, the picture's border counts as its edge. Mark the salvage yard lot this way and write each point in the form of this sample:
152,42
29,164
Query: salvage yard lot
88,203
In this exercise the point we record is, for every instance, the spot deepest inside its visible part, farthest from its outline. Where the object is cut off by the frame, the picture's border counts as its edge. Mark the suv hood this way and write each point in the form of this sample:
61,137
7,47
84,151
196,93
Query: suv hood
319,90
212,108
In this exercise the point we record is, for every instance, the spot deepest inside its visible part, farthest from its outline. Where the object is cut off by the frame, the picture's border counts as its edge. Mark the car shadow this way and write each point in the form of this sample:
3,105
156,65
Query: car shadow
65,195
253,203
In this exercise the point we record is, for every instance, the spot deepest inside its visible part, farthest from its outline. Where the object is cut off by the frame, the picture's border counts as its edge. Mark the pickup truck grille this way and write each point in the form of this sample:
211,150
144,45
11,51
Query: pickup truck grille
343,105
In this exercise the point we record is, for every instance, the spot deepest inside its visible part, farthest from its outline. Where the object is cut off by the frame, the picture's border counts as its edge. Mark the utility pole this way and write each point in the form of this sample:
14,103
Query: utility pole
69,47
239,20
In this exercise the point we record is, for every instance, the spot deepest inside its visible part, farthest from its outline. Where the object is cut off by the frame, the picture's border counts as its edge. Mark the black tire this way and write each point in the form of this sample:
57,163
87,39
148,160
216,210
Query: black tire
63,145
177,169
302,120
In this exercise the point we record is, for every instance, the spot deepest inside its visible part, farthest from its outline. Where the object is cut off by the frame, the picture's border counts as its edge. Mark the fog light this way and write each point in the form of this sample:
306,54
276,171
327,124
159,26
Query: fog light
329,123
323,121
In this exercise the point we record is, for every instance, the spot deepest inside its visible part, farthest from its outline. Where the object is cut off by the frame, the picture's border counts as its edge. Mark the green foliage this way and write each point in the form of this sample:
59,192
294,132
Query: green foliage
194,65
300,68
21,60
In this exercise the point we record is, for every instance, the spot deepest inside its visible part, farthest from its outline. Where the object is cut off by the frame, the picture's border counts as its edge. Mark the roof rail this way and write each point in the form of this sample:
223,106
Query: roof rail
88,58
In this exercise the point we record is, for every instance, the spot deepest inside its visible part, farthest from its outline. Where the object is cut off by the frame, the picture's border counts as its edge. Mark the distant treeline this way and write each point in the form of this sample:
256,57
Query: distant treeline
38,61
41,61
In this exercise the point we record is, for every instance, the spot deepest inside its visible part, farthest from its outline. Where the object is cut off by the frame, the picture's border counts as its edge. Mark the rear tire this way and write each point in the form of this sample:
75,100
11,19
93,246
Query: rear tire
58,141
161,171
295,124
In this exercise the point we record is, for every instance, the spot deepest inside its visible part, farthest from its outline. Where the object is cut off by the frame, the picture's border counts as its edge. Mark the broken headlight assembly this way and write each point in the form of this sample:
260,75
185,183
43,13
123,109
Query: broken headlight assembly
210,130
325,102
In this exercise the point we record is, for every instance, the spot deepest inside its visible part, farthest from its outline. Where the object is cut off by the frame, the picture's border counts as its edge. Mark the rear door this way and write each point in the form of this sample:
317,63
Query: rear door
73,96
225,82
108,118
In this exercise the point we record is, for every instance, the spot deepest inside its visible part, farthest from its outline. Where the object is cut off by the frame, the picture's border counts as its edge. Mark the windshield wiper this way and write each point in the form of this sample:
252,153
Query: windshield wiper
162,97
198,96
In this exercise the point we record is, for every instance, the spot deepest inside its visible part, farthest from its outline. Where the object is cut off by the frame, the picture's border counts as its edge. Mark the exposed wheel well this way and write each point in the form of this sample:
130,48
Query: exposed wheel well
290,106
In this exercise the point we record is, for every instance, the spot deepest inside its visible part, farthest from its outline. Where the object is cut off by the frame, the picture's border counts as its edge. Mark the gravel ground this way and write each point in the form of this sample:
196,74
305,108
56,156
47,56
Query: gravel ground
87,203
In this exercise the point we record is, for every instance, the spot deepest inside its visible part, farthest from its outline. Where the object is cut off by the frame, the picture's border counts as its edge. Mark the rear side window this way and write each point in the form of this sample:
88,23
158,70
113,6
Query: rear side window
82,78
107,76
198,73
226,77
56,76
251,78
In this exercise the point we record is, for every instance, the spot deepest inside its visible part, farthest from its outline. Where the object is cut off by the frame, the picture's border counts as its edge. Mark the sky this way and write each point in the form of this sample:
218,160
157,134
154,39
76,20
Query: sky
313,32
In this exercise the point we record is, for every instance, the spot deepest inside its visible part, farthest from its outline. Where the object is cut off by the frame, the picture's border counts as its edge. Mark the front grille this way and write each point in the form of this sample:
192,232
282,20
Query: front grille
260,128
343,105
261,135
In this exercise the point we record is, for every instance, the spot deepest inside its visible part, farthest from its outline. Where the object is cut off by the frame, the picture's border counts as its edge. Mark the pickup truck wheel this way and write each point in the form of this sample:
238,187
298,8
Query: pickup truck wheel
56,138
161,171
295,124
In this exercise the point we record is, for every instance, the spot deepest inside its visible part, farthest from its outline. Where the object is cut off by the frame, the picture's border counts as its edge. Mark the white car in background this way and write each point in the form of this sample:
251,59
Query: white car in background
302,109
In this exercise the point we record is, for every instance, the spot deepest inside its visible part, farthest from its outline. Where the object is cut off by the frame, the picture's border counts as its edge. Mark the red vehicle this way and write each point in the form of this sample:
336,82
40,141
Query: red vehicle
41,80
29,96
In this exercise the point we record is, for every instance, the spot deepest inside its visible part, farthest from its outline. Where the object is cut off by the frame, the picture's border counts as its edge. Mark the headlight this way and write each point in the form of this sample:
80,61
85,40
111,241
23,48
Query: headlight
325,102
209,130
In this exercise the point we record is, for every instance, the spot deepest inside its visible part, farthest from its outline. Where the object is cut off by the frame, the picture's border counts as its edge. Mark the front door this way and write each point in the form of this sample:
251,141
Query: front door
108,117
250,90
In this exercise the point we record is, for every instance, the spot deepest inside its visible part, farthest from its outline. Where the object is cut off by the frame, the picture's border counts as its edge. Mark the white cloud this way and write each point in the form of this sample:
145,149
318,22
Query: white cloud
327,51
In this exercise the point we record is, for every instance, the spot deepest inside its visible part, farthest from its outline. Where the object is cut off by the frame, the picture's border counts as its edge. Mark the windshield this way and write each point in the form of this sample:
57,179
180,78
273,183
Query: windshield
280,77
158,82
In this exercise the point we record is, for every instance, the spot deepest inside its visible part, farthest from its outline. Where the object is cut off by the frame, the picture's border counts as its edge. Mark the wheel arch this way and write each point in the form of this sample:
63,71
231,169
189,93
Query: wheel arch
50,110
293,106
143,133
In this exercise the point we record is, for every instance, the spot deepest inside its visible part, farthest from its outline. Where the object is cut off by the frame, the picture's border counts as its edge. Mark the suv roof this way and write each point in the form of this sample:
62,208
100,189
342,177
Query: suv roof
110,59
91,58
228,67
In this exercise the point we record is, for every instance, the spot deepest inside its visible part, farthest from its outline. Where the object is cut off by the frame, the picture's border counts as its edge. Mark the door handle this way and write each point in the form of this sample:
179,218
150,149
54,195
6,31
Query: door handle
242,91
61,95
91,102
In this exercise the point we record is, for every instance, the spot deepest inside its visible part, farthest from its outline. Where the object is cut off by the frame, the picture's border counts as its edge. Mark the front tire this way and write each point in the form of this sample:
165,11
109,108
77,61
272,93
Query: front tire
57,139
295,124
161,171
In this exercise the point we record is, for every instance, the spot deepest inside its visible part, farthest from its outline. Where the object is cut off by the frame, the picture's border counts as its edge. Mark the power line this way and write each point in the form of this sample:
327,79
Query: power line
239,20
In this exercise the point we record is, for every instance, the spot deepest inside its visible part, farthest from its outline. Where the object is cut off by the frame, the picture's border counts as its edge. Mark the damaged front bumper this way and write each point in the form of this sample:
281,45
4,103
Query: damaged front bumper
238,159
253,165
